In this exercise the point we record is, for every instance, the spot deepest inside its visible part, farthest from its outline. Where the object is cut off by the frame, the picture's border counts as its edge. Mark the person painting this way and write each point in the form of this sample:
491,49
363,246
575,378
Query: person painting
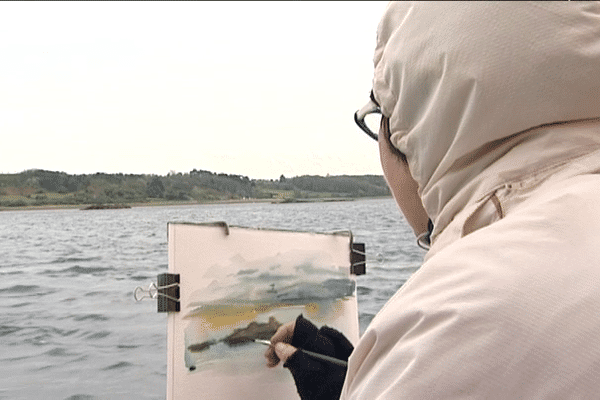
490,140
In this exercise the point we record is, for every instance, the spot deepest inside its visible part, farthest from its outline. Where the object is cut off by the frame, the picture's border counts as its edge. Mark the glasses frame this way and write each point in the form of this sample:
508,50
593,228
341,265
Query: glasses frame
359,117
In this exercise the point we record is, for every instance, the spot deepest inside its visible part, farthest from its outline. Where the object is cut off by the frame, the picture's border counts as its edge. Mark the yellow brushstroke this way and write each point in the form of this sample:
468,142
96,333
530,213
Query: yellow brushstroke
229,315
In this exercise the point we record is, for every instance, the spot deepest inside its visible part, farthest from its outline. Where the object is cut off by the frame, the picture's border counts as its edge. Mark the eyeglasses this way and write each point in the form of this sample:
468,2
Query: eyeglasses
370,125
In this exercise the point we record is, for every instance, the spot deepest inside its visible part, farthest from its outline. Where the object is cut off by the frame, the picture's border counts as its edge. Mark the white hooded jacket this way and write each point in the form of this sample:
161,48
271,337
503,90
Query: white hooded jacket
496,106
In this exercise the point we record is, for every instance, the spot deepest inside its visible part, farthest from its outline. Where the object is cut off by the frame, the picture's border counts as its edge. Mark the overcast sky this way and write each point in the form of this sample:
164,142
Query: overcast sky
250,88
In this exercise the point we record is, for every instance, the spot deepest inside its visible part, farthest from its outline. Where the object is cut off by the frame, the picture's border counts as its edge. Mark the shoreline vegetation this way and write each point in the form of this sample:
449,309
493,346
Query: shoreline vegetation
37,189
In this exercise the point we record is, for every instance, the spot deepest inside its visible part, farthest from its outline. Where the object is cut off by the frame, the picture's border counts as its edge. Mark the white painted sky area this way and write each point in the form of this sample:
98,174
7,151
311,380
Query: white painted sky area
250,88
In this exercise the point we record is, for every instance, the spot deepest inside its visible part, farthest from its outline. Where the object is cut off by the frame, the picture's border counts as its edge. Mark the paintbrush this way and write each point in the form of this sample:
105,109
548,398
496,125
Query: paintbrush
318,356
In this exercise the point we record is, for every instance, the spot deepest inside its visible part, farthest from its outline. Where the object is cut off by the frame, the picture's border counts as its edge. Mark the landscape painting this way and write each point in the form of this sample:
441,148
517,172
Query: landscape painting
241,284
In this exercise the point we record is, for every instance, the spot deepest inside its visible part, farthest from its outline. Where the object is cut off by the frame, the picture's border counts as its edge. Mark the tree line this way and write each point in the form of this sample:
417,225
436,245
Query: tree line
42,187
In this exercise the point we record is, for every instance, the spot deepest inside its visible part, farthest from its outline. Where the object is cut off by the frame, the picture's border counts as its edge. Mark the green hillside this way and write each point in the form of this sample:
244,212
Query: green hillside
40,188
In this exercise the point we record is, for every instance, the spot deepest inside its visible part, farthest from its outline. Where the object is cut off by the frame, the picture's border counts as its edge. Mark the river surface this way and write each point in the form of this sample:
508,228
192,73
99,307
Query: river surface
69,326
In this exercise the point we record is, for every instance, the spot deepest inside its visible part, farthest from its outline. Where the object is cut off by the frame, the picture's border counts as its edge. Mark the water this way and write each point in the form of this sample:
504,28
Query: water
69,327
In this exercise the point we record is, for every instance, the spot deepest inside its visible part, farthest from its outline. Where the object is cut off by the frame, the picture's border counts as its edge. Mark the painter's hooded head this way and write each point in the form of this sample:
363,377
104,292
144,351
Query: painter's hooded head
453,77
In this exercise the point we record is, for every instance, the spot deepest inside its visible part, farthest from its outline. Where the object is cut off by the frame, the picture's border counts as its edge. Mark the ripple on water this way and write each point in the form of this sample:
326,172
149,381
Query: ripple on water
64,260
59,352
20,289
128,346
90,317
13,272
96,293
43,335
6,330
77,270
119,365
25,291
19,305
97,335
363,290
140,278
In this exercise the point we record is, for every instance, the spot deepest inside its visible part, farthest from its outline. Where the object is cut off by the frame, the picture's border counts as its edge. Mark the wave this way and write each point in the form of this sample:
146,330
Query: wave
19,305
43,335
64,260
81,397
140,278
59,352
78,270
363,290
6,330
25,291
20,289
98,335
90,317
119,365
128,346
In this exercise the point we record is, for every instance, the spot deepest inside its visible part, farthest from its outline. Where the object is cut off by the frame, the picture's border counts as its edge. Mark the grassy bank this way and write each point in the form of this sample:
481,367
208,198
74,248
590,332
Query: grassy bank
180,203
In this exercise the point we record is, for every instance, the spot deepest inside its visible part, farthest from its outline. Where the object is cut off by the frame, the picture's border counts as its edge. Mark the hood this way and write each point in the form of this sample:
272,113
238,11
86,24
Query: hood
460,80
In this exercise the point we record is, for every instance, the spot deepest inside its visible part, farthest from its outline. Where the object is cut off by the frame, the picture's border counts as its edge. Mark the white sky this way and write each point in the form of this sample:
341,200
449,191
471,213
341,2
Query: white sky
250,88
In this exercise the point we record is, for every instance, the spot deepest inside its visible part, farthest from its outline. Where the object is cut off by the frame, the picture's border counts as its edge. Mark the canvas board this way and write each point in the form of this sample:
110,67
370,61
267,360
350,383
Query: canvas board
239,283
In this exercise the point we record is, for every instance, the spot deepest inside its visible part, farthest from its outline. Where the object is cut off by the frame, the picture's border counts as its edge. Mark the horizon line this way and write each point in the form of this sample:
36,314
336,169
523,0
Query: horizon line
173,172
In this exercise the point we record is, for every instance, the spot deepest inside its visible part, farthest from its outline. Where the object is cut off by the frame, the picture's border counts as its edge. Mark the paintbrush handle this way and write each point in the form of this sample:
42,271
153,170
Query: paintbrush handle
329,359
322,357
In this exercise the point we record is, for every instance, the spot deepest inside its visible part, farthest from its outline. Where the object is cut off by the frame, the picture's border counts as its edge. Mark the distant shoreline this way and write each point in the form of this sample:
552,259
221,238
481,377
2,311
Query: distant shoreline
42,190
168,203
172,203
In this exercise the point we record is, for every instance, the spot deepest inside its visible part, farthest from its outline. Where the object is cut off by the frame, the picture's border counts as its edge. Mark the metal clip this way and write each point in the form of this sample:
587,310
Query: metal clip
358,262
153,292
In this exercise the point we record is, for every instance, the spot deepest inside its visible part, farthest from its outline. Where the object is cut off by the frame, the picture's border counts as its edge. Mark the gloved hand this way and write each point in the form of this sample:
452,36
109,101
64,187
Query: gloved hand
315,379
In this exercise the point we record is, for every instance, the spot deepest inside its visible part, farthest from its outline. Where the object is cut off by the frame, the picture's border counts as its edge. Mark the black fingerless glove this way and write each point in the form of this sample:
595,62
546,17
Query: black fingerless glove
316,379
